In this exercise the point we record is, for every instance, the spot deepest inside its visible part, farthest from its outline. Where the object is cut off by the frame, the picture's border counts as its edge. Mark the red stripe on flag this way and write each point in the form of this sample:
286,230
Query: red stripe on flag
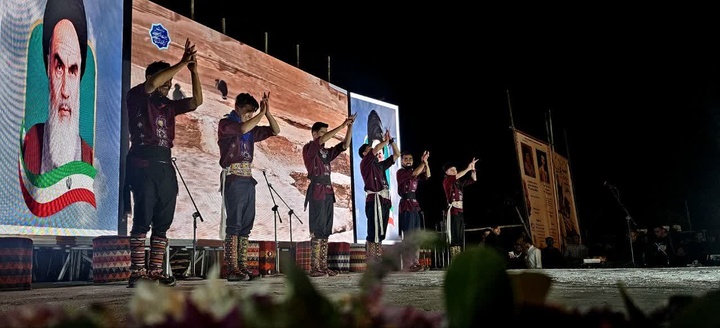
54,206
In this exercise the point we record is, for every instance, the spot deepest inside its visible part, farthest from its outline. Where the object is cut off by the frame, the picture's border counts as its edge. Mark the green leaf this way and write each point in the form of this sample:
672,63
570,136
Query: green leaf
304,305
636,315
477,287
701,313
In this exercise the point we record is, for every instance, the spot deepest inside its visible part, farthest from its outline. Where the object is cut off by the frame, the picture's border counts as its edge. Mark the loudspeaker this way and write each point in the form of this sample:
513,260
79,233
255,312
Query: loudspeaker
286,253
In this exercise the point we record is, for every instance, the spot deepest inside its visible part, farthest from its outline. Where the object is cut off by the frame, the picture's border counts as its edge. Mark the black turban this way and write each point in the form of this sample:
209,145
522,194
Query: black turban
375,130
72,10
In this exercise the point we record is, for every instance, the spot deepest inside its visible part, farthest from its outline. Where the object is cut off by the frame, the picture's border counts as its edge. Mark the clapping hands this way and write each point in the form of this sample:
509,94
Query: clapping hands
350,120
188,57
265,102
471,166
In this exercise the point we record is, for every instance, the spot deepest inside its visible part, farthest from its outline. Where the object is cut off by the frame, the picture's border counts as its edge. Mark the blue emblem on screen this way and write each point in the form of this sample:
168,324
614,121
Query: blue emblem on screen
160,36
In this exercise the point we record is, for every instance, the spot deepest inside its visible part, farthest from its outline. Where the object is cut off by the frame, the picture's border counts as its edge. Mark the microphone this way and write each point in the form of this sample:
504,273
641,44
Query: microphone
197,215
174,159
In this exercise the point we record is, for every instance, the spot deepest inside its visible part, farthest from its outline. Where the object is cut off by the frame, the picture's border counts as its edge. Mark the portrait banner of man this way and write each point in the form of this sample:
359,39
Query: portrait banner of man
542,165
538,187
64,115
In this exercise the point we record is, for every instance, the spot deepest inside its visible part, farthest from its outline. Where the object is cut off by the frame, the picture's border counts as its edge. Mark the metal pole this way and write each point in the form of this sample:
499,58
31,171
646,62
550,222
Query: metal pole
192,9
551,172
517,156
572,182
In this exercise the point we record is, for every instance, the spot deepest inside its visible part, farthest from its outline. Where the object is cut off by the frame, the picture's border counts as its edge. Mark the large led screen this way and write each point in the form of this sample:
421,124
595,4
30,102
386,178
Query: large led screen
60,81
226,68
374,117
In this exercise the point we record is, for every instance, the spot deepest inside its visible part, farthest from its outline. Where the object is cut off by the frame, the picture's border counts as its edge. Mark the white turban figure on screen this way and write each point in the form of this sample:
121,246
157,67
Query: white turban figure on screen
56,165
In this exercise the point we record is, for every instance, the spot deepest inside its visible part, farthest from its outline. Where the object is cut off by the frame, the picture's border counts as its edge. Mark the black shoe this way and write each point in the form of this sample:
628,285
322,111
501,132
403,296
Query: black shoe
237,276
413,268
250,275
168,281
165,280
134,280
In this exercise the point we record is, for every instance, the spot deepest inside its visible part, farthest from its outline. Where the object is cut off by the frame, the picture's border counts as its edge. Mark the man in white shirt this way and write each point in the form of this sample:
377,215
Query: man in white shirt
533,259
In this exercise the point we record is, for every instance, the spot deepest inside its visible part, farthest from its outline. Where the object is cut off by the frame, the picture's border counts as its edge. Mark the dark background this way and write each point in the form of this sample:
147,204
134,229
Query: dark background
632,92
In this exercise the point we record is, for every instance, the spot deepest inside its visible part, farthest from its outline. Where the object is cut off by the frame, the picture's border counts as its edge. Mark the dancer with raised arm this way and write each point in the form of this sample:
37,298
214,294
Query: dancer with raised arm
410,212
151,175
377,201
238,132
453,184
320,194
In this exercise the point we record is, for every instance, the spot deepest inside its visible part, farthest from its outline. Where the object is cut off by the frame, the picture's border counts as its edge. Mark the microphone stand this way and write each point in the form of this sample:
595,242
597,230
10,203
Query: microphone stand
291,212
195,216
628,218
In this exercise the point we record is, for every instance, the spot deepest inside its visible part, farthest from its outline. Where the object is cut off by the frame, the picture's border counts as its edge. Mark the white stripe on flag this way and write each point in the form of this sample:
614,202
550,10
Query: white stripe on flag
48,194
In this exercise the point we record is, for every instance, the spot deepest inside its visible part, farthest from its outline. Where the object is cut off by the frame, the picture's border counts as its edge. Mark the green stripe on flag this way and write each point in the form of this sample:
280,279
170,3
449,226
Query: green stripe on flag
50,178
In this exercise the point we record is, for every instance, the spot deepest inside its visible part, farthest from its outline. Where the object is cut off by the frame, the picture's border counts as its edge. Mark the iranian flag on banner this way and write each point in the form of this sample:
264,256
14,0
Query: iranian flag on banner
50,192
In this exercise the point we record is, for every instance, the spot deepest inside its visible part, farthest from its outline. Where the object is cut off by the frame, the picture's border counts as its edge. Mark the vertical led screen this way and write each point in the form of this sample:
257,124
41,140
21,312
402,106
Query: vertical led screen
60,81
374,117
227,68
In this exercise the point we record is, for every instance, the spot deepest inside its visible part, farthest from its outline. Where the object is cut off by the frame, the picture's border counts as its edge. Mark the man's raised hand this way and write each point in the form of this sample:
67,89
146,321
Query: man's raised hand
189,53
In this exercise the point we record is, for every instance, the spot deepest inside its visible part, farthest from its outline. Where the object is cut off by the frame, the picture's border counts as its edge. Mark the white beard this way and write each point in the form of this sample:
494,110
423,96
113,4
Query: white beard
61,140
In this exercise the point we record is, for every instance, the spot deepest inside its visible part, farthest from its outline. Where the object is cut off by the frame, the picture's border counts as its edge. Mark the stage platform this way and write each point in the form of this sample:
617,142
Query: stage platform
69,259
580,289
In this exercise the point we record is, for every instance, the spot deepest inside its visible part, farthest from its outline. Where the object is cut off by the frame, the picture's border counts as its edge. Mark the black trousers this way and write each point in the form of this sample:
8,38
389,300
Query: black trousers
409,222
155,190
240,206
321,217
457,229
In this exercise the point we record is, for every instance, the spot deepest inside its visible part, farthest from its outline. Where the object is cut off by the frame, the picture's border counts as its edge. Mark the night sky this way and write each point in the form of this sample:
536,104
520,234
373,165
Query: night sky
636,94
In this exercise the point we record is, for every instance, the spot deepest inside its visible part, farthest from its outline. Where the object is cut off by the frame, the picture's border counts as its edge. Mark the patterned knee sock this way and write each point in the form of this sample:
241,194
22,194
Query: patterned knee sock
157,253
137,253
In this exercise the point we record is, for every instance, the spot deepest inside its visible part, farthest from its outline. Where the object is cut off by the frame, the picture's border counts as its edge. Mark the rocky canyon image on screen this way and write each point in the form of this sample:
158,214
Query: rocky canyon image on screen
226,68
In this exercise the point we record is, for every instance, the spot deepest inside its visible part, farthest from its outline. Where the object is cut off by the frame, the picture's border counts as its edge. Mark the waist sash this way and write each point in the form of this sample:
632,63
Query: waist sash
379,229
243,169
456,204
323,180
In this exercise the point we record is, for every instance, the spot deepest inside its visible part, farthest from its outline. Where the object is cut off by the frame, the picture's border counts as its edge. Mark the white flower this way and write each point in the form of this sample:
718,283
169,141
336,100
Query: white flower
152,304
215,297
